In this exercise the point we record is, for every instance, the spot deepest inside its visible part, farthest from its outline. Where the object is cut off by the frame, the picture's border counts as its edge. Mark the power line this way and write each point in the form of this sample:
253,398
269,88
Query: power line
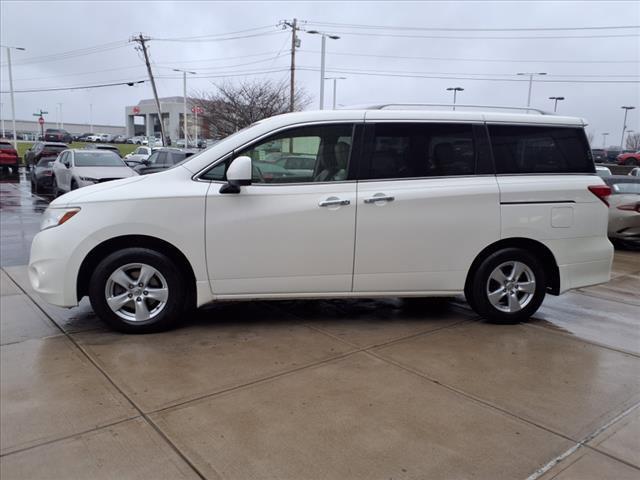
204,40
72,53
448,37
460,29
451,77
483,60
210,35
81,87
230,66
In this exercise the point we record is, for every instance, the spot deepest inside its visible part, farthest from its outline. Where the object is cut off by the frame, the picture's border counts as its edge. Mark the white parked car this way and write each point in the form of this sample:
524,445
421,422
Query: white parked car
77,168
504,208
138,155
603,171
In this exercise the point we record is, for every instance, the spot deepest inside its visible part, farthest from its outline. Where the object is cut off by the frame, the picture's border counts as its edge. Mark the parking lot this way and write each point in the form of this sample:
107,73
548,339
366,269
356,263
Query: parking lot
353,389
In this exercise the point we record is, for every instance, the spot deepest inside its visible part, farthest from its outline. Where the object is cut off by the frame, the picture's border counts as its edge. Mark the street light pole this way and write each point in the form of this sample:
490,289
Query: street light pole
455,91
61,121
184,115
335,80
624,123
604,140
322,60
2,117
530,74
555,105
13,104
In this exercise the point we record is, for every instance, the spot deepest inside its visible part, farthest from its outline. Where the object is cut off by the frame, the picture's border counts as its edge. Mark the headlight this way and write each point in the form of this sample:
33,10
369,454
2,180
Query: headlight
57,216
89,179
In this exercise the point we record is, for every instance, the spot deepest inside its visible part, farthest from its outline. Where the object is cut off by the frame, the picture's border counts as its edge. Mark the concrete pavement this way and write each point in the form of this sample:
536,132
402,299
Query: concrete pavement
324,389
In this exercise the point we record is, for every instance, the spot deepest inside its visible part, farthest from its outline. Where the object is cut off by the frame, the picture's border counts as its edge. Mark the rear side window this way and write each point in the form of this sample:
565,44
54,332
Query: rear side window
540,149
409,150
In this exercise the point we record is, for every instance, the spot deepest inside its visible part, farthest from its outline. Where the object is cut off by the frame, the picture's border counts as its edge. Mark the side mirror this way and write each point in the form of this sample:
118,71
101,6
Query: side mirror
50,164
238,174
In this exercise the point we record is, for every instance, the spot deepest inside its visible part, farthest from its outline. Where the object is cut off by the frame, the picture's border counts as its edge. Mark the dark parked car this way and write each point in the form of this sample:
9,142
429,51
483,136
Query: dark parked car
42,176
599,155
8,156
111,148
57,135
40,150
612,155
163,158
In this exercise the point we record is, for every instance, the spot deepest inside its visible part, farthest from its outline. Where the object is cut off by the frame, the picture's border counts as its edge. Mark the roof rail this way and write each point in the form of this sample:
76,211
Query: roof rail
497,107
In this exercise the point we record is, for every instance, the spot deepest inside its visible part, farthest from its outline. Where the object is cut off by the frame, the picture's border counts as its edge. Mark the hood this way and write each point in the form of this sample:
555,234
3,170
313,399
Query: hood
74,196
104,172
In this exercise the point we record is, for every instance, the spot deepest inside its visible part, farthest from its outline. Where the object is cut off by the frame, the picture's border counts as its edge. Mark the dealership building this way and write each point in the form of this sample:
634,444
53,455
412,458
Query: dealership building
142,119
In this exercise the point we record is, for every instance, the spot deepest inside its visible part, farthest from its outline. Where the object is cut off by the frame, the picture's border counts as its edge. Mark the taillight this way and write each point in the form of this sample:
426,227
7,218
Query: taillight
601,191
630,207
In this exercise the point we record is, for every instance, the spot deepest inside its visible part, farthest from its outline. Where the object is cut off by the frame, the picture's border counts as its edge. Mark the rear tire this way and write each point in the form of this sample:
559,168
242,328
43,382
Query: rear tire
153,301
508,286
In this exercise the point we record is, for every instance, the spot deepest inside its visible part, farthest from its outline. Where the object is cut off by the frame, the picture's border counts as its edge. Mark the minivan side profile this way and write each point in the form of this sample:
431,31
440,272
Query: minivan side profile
503,208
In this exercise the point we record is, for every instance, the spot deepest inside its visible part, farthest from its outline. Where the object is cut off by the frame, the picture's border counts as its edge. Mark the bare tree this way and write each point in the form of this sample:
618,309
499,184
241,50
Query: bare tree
633,142
590,137
235,106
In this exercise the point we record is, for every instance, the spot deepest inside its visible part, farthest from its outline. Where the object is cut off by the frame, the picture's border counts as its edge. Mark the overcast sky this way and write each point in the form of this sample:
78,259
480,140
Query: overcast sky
49,29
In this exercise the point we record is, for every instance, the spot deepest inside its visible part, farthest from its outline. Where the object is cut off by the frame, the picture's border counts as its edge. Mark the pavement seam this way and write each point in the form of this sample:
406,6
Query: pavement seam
67,437
583,340
602,297
115,385
583,443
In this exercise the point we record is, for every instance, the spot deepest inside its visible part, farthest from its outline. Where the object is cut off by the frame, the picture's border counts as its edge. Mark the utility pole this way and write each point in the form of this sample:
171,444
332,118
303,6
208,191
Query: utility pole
184,115
604,140
141,41
13,104
295,43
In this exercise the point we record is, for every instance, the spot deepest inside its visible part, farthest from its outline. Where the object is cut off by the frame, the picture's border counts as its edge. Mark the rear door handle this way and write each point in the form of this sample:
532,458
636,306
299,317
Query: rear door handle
380,198
333,202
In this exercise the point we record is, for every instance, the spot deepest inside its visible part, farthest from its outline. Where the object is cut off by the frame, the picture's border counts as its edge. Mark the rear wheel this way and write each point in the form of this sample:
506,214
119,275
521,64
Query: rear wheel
137,290
508,286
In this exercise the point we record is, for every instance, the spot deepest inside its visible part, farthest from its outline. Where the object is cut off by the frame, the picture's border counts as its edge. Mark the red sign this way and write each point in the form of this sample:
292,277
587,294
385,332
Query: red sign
197,110
41,121
136,110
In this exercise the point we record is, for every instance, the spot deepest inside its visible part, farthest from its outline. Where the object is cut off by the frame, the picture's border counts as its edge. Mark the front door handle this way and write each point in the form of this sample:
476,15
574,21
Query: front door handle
379,198
333,202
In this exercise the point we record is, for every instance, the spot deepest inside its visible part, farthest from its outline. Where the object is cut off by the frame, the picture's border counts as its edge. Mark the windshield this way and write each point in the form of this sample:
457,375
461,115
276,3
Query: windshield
6,146
97,159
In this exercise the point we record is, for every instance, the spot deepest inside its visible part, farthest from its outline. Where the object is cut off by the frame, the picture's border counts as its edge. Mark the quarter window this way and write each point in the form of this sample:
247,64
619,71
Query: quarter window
540,149
407,150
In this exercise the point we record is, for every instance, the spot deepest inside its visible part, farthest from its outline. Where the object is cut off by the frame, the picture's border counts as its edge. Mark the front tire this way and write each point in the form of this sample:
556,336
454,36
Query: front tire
138,290
508,286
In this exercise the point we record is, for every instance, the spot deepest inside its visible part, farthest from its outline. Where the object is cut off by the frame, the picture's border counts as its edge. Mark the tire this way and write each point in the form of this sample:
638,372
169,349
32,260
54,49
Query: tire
74,185
508,308
138,313
34,187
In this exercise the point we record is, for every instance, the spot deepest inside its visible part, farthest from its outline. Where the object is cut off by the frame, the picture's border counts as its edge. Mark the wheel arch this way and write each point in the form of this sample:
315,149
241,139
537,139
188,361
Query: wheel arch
100,251
541,251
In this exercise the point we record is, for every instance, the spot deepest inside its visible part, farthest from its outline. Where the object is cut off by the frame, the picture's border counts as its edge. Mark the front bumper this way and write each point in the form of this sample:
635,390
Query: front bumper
50,269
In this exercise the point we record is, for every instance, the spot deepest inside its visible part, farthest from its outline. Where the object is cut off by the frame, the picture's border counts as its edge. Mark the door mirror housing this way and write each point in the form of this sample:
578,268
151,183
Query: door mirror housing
238,174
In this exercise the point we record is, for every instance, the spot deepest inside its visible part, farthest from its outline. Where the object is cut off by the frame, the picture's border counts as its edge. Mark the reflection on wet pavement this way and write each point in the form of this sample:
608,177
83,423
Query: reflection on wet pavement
20,213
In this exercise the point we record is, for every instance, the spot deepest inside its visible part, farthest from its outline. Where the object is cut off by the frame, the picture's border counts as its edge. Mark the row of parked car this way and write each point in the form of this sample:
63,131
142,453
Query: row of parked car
624,157
54,168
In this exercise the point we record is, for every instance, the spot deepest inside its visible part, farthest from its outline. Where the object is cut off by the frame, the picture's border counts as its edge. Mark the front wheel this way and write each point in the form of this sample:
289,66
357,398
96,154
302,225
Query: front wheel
508,286
137,290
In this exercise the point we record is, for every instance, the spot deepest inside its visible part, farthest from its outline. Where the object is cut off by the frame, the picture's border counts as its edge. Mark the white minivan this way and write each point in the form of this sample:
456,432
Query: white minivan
502,207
